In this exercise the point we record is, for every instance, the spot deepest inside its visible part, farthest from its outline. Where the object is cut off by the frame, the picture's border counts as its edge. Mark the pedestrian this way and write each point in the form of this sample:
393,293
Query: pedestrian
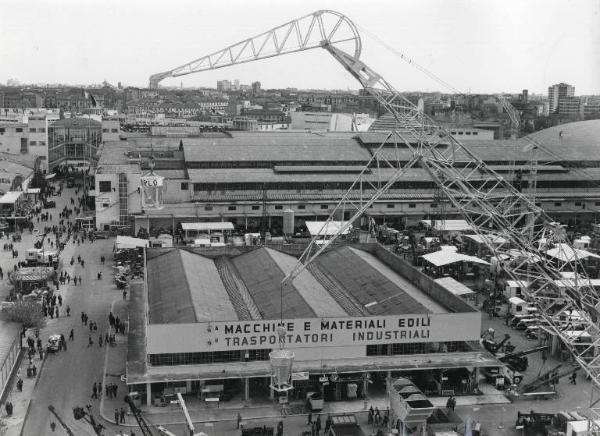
91,325
115,388
370,415
318,424
100,341
574,378
95,327
90,341
117,416
57,312
124,294
280,428
309,417
20,384
239,419
68,311
39,343
95,391
82,317
122,415
63,342
313,429
107,388
71,335
59,300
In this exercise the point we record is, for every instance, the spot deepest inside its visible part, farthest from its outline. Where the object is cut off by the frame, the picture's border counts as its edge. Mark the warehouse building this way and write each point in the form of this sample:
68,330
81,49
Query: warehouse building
204,324
251,177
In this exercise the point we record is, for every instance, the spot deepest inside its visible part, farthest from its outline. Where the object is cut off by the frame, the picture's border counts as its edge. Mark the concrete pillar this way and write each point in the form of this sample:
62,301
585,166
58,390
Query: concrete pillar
271,394
246,389
148,394
188,386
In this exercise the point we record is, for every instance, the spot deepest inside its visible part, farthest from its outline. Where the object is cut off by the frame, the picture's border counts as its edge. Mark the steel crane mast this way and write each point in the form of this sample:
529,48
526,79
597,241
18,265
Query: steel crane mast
489,202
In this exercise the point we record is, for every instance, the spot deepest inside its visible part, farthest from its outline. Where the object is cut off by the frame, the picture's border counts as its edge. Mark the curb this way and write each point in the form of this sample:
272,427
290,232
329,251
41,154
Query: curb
37,380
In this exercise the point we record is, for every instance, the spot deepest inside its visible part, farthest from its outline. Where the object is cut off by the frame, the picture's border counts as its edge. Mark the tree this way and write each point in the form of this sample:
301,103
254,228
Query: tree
28,313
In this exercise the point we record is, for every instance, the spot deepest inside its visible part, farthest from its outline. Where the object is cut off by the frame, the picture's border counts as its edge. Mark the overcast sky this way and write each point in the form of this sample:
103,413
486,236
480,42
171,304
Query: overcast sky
476,46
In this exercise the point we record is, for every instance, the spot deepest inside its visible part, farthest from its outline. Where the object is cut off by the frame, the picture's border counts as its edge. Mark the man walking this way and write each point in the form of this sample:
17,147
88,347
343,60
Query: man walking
122,416
95,391
117,416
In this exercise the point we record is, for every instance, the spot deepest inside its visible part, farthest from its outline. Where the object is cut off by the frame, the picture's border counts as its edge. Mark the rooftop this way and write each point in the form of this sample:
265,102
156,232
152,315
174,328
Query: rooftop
187,287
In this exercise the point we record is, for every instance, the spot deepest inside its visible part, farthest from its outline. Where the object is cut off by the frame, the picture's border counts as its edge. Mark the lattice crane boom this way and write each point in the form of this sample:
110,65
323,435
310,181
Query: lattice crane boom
509,223
311,31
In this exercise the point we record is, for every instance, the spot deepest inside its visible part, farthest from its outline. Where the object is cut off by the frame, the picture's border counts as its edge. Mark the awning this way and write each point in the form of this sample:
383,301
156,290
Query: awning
449,225
50,176
10,197
202,227
447,257
456,287
125,242
516,301
33,191
326,228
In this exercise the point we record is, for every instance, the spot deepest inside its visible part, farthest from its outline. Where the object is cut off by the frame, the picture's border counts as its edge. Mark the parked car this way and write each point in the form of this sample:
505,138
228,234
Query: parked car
53,344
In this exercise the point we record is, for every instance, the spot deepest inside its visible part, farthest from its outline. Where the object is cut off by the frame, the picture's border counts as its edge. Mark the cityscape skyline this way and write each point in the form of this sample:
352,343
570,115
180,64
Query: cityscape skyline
493,47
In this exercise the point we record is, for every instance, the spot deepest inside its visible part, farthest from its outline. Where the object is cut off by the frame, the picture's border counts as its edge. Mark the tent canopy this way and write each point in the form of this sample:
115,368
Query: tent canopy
566,253
125,242
449,225
455,287
447,257
10,197
203,227
326,228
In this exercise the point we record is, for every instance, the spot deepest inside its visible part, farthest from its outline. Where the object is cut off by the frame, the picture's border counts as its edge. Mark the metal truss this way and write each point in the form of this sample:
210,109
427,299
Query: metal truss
310,31
490,203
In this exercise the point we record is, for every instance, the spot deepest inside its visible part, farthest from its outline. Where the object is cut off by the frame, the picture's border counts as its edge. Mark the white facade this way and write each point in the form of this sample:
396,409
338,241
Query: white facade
110,130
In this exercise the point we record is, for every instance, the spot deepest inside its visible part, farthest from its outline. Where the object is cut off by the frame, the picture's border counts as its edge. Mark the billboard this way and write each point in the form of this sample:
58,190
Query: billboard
152,187
312,332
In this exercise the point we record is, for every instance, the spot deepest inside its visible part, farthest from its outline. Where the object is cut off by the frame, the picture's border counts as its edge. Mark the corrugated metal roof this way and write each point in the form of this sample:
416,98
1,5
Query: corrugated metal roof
263,277
311,290
169,298
209,297
319,168
366,284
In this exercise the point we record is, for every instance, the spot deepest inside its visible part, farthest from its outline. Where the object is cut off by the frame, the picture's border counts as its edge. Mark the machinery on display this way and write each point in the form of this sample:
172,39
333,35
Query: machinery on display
79,413
487,201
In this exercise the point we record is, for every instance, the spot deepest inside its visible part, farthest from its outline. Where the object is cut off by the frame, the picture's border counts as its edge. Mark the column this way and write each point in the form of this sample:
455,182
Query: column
246,389
271,394
148,394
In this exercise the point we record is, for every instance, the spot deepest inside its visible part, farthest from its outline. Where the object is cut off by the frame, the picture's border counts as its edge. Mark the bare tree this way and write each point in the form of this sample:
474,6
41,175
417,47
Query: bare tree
28,313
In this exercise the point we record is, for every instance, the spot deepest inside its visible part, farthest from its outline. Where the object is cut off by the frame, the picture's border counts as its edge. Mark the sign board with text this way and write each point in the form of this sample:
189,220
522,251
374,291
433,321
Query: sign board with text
312,332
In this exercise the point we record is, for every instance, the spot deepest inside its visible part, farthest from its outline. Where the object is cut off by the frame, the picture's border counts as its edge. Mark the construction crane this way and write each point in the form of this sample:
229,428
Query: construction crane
137,414
60,420
488,201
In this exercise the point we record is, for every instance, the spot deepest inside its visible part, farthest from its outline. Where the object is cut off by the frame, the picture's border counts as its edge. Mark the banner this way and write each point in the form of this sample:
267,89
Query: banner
151,189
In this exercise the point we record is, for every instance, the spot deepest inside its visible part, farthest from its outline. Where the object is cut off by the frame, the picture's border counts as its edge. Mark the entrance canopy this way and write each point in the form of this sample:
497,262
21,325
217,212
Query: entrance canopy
10,197
447,257
204,227
125,242
456,287
326,228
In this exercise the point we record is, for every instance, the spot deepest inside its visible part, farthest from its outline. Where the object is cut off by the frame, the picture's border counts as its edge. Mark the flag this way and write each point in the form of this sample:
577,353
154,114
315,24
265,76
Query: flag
89,96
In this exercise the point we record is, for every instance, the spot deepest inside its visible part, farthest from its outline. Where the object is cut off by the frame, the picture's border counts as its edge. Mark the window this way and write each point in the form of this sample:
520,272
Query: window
105,205
41,142
32,143
390,206
2,130
412,205
557,203
255,207
19,129
184,186
597,203
208,208
324,206
578,203
278,207
433,205
114,130
105,130
475,133
231,207
301,206
32,129
104,186
42,130
467,133
197,187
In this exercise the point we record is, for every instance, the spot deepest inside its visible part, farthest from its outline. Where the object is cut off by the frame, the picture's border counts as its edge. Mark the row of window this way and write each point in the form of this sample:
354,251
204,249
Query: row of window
110,130
39,129
169,359
418,348
37,142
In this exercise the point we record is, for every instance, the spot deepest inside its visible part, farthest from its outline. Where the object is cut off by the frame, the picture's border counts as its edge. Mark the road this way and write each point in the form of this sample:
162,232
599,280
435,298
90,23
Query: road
67,376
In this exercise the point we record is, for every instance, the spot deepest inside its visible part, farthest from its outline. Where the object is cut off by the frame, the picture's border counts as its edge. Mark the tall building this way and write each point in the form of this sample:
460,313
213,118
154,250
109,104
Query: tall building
73,141
570,106
223,85
558,92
